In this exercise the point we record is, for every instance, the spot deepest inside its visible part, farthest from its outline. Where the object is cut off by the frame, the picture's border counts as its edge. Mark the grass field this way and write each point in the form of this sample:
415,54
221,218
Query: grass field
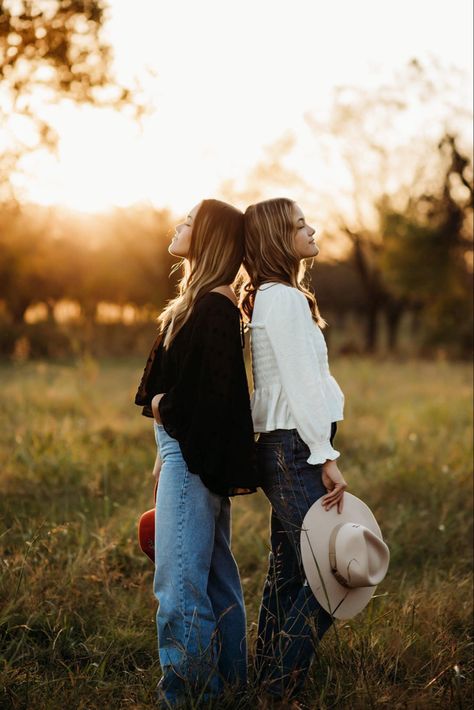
76,605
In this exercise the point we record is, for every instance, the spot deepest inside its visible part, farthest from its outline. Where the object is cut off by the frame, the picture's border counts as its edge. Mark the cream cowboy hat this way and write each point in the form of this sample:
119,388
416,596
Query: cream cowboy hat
344,556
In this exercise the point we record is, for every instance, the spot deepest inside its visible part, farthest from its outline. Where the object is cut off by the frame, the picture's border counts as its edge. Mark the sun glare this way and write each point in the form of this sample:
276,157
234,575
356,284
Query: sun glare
219,103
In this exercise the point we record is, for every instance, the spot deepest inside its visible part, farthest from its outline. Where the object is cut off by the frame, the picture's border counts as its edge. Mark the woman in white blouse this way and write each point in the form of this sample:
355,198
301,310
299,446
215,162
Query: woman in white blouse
296,403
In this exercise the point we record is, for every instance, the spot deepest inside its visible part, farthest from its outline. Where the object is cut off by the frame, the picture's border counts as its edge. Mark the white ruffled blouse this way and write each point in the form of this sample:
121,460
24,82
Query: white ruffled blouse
293,387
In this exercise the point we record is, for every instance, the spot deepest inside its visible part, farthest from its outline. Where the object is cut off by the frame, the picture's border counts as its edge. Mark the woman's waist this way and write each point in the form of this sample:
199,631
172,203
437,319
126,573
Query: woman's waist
271,401
268,384
282,435
276,436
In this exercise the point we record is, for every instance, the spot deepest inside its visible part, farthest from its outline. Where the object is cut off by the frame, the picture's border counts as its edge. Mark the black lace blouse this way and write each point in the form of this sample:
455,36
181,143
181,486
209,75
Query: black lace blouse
206,406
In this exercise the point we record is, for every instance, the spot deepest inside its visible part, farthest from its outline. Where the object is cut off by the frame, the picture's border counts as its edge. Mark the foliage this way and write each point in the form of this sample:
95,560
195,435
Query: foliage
428,254
46,256
389,146
50,51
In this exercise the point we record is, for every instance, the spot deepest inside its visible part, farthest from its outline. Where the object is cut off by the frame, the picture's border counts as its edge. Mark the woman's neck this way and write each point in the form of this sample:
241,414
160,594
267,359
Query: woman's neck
226,290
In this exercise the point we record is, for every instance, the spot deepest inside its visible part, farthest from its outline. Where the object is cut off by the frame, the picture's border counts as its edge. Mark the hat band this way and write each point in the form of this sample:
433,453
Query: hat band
332,556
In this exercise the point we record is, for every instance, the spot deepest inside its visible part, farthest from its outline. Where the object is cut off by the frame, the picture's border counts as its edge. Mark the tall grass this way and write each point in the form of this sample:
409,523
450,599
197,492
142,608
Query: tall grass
77,611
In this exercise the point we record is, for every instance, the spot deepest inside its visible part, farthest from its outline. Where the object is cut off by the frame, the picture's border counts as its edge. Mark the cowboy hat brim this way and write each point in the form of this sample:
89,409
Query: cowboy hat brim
340,601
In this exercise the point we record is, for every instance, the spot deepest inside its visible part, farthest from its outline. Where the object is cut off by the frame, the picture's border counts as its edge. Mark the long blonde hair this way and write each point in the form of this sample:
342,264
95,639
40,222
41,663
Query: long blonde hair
215,256
270,254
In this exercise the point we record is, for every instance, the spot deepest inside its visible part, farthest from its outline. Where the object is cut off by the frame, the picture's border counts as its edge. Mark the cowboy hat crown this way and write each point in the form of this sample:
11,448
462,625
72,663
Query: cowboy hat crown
344,556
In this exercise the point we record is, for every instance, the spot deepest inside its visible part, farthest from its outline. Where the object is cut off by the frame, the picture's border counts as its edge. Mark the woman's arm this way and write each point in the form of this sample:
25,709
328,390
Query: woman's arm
150,381
157,467
287,323
155,406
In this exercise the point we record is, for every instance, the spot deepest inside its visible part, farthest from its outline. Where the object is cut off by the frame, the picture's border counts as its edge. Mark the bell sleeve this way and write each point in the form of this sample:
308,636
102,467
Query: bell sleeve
150,381
287,324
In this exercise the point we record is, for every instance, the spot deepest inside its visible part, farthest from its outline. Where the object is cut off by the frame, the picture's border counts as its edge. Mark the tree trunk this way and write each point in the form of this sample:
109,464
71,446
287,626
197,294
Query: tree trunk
50,308
89,311
393,315
371,333
17,309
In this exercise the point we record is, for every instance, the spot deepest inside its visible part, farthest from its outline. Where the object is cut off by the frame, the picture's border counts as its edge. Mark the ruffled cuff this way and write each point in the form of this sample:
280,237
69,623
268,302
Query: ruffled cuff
321,453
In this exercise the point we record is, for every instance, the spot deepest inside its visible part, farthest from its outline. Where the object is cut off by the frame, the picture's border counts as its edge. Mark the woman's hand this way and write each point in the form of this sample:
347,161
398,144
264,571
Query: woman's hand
335,484
154,406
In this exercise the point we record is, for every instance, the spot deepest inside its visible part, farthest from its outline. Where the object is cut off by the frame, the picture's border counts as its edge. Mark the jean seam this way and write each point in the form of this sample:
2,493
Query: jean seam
182,553
304,491
296,474
295,482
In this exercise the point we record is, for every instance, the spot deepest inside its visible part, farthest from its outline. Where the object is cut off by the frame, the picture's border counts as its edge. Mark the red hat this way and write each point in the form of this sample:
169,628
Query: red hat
146,531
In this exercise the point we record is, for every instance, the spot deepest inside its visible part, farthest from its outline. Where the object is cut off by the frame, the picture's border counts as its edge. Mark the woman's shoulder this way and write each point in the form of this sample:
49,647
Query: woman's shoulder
276,293
214,312
214,302
283,289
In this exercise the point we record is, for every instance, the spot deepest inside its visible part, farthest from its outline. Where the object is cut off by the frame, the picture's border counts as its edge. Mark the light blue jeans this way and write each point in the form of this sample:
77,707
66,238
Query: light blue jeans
201,615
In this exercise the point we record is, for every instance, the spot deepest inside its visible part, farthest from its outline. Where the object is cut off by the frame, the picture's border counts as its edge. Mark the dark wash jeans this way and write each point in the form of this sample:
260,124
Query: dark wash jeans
291,620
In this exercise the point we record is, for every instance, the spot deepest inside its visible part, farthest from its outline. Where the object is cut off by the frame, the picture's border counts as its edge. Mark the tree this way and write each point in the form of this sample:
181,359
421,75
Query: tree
50,50
382,144
388,139
429,251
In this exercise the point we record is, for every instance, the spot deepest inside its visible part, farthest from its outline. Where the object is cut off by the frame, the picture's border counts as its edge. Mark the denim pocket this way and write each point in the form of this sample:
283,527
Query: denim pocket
301,453
301,445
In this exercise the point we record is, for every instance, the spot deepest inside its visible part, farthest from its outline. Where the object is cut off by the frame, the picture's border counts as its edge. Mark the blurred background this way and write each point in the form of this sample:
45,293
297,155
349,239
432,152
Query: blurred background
116,121
116,118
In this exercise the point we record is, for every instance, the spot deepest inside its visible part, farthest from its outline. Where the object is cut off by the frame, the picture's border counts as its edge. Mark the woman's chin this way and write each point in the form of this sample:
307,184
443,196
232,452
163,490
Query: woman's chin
176,251
314,253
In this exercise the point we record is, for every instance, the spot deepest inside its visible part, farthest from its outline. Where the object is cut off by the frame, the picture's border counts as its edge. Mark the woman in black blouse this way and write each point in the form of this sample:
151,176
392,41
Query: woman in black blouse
195,387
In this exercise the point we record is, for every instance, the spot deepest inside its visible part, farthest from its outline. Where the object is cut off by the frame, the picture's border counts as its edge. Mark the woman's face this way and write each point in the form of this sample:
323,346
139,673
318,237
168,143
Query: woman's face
305,243
181,241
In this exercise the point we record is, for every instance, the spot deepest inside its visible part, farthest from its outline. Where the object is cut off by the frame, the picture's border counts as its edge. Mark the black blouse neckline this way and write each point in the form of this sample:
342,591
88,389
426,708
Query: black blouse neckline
216,293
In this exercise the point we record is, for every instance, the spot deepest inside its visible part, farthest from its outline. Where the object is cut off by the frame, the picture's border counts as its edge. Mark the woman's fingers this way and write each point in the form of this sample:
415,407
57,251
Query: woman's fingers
335,497
337,491
339,503
335,485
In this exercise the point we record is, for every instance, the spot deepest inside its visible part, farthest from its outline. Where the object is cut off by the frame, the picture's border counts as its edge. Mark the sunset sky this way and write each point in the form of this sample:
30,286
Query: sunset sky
226,81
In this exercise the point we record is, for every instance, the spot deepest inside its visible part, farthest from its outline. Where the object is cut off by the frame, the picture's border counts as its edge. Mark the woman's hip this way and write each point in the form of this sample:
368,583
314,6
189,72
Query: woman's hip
186,517
168,447
289,481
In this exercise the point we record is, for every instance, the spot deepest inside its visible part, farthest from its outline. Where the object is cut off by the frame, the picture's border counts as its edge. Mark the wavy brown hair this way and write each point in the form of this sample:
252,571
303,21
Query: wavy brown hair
215,256
270,254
